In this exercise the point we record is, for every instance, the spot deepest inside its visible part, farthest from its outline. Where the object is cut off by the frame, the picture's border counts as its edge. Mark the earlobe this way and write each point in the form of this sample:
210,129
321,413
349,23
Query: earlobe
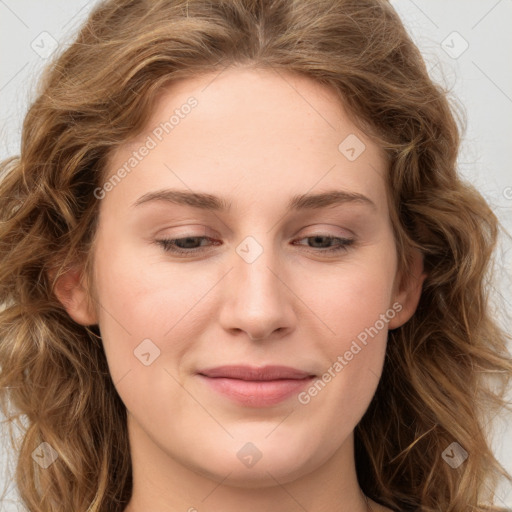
409,291
74,296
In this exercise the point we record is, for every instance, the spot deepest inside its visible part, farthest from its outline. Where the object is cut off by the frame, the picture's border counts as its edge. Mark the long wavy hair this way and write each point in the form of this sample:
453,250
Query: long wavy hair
446,370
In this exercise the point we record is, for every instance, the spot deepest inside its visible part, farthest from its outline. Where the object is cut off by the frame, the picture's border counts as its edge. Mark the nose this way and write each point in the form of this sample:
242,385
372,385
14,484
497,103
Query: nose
257,299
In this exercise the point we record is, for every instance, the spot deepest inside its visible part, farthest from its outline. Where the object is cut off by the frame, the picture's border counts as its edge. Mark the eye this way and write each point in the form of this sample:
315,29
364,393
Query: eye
184,245
191,245
341,246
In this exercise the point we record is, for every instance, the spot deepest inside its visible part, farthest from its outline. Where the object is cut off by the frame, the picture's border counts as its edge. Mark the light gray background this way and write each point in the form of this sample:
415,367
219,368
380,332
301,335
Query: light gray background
477,75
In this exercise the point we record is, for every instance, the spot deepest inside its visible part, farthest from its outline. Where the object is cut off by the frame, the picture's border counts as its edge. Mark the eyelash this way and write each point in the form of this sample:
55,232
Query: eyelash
168,245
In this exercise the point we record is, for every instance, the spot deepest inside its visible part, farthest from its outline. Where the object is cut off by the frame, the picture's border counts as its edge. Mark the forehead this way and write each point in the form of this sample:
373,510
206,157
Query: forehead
258,133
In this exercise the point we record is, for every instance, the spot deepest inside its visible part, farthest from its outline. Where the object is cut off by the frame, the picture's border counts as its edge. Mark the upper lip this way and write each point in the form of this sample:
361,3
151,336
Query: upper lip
271,372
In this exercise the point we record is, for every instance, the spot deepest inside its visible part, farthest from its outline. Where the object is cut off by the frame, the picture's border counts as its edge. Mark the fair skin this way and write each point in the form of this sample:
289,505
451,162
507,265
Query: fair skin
257,141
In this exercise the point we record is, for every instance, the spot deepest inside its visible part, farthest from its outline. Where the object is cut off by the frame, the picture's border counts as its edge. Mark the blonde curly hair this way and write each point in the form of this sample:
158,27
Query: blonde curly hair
435,388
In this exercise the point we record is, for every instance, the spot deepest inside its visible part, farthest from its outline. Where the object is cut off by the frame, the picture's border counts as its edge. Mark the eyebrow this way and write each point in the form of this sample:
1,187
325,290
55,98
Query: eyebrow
211,202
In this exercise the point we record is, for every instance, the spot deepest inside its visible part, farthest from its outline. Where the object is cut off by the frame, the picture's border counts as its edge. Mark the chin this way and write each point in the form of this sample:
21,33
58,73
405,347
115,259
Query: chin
279,465
260,476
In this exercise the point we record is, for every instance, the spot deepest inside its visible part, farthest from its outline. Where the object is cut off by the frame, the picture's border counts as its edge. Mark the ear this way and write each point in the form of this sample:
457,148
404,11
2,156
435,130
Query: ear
74,296
408,290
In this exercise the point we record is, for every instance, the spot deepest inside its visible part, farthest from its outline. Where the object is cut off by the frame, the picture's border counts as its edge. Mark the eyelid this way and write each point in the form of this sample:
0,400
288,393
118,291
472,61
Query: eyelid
210,234
320,228
169,245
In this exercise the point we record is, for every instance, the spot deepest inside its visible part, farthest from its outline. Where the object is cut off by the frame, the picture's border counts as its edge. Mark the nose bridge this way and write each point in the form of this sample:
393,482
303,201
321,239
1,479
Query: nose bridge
255,267
257,300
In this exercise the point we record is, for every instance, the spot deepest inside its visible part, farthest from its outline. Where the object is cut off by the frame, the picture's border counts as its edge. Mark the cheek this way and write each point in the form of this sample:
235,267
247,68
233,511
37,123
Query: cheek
355,303
360,323
147,321
353,296
363,295
139,303
143,299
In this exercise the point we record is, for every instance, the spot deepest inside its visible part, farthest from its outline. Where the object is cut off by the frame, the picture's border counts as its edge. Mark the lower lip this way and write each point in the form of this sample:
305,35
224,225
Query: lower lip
256,393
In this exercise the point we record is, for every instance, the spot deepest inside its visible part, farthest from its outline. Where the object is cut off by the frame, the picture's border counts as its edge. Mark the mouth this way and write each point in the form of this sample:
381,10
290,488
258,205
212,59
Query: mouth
256,387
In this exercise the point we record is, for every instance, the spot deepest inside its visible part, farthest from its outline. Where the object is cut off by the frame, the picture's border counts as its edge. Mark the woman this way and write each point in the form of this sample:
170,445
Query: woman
240,271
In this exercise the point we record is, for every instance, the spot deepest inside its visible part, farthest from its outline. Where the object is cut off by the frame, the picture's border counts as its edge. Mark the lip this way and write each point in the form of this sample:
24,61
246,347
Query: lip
256,386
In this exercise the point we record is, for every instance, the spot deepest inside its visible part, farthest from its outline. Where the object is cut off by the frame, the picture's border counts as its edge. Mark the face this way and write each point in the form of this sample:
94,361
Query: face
264,277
